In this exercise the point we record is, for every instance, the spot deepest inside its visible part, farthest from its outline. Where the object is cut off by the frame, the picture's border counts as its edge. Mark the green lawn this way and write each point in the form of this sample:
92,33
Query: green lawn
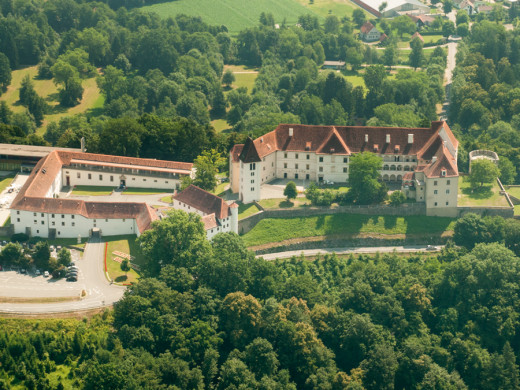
517,209
166,199
356,80
145,191
220,124
91,190
432,38
515,191
245,210
282,203
92,98
487,195
220,189
245,80
6,181
236,15
280,229
340,8
125,244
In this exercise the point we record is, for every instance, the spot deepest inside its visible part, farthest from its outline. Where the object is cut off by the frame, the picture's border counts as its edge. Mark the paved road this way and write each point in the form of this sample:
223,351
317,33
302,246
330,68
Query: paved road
346,251
91,279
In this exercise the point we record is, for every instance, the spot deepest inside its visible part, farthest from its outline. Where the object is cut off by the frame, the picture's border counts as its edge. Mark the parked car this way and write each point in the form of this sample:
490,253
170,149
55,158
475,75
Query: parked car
46,274
431,248
23,270
38,272
72,278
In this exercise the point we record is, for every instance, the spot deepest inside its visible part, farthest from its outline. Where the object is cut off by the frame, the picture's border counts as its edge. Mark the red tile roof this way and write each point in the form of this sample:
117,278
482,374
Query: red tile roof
203,201
235,152
366,28
249,153
33,194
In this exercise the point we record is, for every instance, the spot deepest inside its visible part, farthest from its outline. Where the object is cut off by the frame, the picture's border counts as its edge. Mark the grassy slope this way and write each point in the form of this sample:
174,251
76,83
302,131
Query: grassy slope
6,181
487,196
125,244
279,229
47,89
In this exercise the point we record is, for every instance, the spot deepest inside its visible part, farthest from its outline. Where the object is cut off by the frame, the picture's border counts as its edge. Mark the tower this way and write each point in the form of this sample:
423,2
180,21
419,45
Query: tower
250,163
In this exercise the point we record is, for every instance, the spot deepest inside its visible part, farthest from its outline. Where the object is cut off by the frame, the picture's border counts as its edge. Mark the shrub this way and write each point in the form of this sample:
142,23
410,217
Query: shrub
397,198
19,237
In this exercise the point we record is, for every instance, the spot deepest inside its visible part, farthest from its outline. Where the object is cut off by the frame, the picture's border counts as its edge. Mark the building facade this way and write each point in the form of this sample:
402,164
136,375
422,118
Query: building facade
39,211
418,158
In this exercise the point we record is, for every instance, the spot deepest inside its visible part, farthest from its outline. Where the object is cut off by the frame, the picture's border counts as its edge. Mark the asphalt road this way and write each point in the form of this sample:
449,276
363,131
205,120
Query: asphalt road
91,279
346,251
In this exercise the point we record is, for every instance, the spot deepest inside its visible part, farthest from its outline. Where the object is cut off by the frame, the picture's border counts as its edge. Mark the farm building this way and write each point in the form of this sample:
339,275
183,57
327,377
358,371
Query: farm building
369,33
393,7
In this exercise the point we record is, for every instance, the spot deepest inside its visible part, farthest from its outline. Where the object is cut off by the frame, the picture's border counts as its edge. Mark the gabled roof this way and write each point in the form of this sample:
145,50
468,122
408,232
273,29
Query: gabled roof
366,28
203,201
334,144
417,35
249,153
445,161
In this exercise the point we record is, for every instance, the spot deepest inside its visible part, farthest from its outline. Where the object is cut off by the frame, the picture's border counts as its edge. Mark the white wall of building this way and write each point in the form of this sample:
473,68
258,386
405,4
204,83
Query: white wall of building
69,225
250,180
112,179
441,196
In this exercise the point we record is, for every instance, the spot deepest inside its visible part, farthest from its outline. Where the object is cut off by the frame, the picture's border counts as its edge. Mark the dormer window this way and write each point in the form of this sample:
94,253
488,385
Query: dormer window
332,150
376,147
308,146
443,172
396,149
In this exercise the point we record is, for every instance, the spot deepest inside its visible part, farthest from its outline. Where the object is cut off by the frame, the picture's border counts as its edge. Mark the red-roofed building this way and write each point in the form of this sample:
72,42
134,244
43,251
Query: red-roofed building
217,215
39,211
322,153
369,33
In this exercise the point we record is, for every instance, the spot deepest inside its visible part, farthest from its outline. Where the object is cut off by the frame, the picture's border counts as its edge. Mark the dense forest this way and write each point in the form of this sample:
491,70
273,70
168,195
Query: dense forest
214,316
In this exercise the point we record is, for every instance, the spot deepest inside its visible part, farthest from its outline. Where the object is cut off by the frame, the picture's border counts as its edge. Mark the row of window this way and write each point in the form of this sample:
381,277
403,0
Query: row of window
435,192
448,182
308,157
447,204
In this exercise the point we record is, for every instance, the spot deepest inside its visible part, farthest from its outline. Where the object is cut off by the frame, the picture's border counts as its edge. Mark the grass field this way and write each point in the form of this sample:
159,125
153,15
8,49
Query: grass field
125,244
236,15
245,210
6,181
91,190
220,125
517,209
145,191
92,98
282,203
515,191
487,195
340,8
245,80
280,229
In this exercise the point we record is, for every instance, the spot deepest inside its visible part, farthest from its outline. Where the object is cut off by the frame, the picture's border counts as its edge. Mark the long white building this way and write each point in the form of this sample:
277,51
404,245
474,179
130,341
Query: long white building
39,211
424,160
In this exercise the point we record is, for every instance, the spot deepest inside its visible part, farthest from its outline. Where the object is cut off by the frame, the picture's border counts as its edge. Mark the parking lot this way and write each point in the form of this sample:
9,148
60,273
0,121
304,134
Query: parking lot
15,284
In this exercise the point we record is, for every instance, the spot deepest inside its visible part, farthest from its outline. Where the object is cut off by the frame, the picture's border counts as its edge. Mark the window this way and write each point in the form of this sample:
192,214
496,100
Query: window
34,214
63,215
63,224
252,174
252,188
435,203
78,175
89,176
35,222
296,155
296,176
296,166
72,216
252,182
37,231
448,182
307,166
73,224
18,212
285,165
53,223
52,215
111,178
124,220
345,159
345,170
285,155
252,166
321,159
43,223
17,219
285,175
447,203
307,176
308,157
447,191
144,179
321,169
435,182
59,233
155,181
435,192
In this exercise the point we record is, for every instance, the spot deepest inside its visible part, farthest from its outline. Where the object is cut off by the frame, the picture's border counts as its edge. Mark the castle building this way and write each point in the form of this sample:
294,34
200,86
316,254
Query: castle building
423,160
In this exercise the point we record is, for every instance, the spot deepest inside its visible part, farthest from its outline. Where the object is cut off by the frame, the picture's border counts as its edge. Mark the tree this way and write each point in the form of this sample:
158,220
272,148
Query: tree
290,191
64,257
364,178
5,72
447,6
507,170
404,25
72,94
416,55
482,171
390,56
41,254
359,17
125,267
207,166
12,253
397,198
228,78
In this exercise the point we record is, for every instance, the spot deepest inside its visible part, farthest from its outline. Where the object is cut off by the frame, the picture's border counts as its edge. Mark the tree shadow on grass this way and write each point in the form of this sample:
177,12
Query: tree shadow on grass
483,192
121,279
53,97
285,204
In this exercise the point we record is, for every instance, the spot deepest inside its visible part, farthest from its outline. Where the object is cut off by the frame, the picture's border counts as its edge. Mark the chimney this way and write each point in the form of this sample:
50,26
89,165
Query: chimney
410,138
388,138
83,148
434,159
366,137
291,131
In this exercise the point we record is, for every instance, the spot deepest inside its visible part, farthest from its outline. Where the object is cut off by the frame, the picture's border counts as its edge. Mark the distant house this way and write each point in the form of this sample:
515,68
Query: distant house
484,9
369,33
466,5
338,65
417,35
393,7
422,20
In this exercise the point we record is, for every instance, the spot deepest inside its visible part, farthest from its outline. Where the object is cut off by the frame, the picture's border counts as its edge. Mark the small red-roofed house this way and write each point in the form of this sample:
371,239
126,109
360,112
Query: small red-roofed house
369,33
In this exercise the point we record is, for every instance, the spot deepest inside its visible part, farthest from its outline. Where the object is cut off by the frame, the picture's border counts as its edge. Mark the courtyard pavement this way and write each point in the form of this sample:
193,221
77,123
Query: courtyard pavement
18,182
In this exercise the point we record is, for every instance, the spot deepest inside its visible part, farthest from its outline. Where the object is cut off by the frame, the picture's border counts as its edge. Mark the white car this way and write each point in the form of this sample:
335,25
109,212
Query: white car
46,274
431,248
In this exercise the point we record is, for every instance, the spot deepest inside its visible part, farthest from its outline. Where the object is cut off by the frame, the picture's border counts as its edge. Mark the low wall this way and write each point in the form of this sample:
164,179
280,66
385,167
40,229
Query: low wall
246,224
506,212
354,242
6,231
